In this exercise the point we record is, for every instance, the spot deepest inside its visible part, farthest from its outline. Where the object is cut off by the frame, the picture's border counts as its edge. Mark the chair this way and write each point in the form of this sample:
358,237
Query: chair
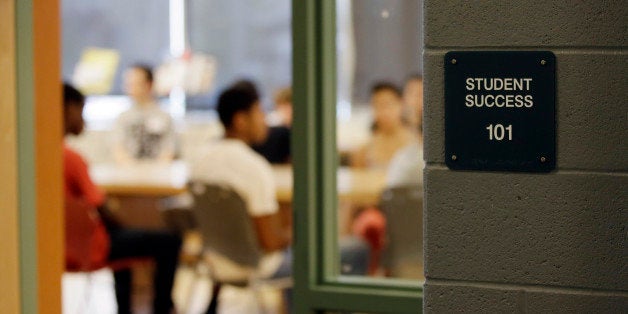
229,239
87,245
86,239
403,208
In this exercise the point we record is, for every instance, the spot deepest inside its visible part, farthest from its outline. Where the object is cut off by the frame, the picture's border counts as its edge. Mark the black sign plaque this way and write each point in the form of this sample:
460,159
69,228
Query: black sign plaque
500,110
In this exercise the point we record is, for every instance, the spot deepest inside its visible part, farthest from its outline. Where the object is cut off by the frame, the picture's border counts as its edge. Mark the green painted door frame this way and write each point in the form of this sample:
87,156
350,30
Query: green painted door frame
26,156
318,287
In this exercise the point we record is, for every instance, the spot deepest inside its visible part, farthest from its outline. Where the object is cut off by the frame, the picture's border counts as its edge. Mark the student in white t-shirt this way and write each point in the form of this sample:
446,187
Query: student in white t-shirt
232,162
144,132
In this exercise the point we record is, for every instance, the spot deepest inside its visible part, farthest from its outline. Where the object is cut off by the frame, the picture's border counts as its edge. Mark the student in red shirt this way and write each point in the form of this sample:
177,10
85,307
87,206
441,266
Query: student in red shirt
123,242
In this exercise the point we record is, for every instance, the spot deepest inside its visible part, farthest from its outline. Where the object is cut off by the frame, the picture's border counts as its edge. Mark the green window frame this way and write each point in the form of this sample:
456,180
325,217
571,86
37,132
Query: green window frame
318,285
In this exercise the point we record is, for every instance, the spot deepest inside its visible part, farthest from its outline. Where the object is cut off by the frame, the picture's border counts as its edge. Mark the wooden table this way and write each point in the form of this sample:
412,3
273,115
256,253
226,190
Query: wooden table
135,192
356,186
138,189
142,179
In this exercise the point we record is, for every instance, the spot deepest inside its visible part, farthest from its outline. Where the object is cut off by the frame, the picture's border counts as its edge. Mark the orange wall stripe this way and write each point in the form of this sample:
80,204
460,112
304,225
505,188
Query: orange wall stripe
48,150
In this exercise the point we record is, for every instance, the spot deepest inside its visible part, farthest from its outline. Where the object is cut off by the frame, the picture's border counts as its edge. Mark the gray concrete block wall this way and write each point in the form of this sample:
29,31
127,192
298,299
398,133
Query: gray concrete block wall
484,298
526,23
498,242
566,229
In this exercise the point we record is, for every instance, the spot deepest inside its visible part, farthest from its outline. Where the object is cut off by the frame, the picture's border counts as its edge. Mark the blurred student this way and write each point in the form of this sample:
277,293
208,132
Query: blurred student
413,101
231,161
276,148
282,114
144,132
389,134
123,242
406,167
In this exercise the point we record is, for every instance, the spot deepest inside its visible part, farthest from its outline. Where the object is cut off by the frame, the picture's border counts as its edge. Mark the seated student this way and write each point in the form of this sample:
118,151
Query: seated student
232,162
413,101
124,242
389,136
144,132
276,148
406,167
390,133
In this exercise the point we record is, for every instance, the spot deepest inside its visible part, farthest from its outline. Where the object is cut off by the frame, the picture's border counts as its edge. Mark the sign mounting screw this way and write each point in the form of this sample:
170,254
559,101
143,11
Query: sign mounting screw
454,157
543,159
454,61
543,62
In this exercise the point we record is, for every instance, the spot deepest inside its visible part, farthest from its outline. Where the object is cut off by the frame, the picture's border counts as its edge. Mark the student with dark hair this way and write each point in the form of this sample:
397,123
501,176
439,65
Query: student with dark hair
232,162
144,132
248,85
123,242
390,132
385,86
146,69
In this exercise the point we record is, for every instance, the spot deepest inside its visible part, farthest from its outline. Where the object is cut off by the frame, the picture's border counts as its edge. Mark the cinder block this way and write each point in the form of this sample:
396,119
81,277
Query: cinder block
592,99
457,297
538,23
446,298
592,125
563,229
557,302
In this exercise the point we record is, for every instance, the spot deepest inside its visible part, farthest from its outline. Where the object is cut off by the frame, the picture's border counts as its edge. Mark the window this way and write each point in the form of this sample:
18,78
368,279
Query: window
248,39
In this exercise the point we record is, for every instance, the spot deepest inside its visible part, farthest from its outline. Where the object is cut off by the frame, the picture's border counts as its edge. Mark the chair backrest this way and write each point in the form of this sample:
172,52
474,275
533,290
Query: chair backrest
403,208
86,239
224,223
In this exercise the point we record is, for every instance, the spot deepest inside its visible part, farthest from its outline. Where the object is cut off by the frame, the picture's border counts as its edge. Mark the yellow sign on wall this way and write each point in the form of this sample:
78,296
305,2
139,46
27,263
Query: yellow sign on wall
94,73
